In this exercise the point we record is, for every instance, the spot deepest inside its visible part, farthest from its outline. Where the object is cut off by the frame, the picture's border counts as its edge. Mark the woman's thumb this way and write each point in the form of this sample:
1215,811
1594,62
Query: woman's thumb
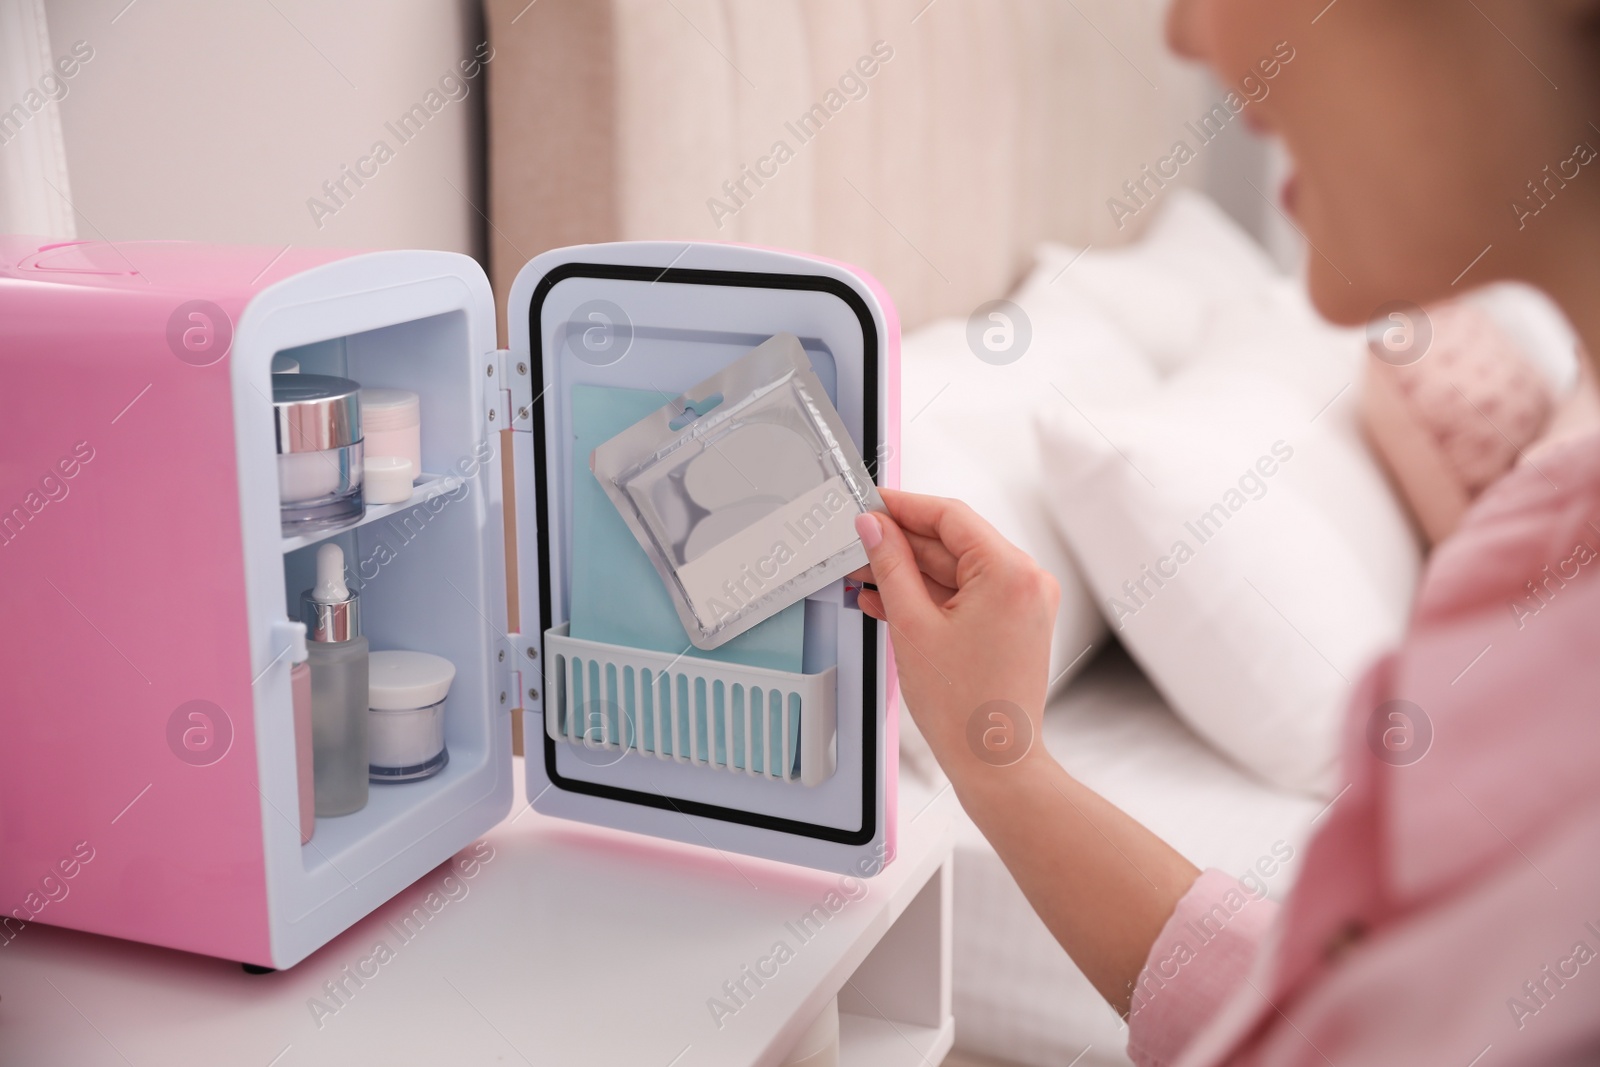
894,566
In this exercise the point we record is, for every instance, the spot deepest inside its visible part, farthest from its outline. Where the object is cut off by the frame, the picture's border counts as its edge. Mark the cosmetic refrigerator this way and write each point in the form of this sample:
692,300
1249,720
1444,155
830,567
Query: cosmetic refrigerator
150,598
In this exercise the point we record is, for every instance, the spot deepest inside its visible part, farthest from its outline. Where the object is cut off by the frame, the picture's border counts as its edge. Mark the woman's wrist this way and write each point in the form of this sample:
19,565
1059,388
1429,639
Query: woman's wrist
1104,885
1005,790
985,771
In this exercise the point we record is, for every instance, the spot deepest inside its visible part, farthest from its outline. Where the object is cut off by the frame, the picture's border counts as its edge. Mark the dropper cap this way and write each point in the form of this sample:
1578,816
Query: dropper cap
330,611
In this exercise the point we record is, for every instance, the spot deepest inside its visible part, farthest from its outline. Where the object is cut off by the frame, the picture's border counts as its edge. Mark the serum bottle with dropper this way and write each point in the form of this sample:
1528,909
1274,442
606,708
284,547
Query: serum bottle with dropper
338,658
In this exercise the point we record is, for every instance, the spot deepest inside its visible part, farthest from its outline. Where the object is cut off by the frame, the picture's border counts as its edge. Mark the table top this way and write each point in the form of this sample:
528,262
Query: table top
545,942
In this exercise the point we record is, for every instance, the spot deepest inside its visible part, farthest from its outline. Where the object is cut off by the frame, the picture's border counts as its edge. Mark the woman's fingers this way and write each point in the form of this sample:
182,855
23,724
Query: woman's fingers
872,603
894,569
933,559
950,522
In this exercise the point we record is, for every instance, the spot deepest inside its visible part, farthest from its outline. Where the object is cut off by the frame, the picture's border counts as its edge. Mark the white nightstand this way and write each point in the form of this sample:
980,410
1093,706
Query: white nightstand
566,945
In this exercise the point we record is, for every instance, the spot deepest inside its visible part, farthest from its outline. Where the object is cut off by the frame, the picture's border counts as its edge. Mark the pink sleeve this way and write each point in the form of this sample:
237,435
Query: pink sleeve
1196,963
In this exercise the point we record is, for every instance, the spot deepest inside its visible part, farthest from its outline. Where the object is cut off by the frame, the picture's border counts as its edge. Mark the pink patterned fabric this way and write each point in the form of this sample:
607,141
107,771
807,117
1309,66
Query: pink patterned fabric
1448,910
1200,957
1476,394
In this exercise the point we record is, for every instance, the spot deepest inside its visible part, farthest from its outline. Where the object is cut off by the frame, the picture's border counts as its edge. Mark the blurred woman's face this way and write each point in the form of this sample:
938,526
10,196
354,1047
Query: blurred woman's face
1415,128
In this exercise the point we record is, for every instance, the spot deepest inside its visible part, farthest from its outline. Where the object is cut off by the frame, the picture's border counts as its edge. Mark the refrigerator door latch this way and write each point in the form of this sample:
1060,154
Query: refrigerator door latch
286,643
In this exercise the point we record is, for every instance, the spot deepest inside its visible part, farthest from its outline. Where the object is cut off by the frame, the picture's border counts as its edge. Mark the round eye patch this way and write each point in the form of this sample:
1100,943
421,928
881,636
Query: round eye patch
757,459
723,523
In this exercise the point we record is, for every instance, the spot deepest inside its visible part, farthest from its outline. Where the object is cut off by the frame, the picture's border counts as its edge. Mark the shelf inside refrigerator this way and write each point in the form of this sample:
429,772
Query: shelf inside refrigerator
427,487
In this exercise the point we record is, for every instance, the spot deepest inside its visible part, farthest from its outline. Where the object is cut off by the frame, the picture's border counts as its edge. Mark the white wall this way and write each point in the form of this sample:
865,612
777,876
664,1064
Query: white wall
219,121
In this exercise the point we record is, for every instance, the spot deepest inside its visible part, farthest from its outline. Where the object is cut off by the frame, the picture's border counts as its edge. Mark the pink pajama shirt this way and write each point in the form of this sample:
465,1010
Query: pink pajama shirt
1448,908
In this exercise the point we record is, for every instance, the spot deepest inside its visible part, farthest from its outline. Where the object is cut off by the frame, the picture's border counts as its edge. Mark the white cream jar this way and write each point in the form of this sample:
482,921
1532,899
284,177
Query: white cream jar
405,717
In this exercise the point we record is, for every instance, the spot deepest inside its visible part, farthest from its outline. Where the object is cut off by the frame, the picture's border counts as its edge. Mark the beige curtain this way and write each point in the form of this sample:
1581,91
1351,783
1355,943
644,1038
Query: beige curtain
35,197
933,143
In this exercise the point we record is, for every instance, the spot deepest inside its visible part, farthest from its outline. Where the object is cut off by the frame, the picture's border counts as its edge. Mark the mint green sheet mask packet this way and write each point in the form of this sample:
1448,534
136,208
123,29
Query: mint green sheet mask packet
743,491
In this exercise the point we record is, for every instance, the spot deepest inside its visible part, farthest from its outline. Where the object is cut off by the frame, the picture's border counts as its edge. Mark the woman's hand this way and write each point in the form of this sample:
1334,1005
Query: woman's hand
970,616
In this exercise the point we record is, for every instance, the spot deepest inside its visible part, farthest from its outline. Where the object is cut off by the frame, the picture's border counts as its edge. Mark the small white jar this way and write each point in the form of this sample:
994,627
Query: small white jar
392,422
405,717
386,479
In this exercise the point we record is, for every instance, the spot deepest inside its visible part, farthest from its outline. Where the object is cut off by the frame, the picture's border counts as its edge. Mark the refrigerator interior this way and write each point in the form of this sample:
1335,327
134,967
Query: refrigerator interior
430,574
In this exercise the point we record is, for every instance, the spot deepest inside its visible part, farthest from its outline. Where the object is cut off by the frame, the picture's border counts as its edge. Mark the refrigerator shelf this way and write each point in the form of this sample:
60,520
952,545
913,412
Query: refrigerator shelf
428,486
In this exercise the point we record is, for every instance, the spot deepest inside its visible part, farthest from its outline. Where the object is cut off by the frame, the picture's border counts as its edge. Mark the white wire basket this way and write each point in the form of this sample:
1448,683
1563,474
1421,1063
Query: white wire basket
723,716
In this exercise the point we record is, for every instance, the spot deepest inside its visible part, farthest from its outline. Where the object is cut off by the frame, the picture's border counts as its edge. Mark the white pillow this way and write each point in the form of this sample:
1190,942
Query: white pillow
1164,289
1286,585
969,434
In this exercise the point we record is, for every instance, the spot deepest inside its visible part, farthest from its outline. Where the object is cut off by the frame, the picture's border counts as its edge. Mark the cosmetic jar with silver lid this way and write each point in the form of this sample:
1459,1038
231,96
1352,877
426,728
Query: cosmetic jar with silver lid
318,422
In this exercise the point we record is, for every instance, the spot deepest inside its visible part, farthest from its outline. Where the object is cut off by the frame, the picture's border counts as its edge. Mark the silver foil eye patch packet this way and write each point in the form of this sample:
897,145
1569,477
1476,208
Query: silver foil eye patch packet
743,491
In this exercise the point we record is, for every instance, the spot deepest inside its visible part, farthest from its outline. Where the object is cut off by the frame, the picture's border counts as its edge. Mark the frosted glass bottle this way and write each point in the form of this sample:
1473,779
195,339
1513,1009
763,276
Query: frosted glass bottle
338,658
339,724
304,762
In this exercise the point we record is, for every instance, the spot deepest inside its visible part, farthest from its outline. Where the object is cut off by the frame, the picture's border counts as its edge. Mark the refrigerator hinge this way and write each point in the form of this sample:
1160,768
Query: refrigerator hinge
508,672
519,379
497,390
524,660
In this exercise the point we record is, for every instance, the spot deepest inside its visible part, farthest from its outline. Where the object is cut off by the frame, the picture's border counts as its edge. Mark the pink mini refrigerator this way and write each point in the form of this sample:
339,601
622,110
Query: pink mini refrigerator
152,783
